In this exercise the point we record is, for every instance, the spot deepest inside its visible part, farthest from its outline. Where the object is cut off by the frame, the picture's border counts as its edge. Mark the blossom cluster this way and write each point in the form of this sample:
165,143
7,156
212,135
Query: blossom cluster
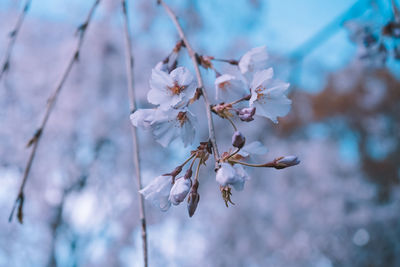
252,91
377,42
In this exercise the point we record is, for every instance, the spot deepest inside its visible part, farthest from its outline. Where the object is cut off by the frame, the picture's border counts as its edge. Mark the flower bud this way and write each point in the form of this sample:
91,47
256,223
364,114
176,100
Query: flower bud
238,140
247,114
287,161
193,199
180,190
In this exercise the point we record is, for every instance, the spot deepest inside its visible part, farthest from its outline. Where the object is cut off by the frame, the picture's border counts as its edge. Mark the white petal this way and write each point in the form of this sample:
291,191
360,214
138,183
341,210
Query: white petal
142,117
254,60
273,108
226,174
256,148
261,77
187,129
241,177
158,192
230,88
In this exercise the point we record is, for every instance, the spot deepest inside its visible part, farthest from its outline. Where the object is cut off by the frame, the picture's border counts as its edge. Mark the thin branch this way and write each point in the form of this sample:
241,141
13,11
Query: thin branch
50,105
200,83
13,37
135,147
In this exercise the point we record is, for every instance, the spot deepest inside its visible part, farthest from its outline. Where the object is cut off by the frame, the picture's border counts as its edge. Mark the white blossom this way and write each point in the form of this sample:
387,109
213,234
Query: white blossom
232,175
166,125
179,190
158,192
254,60
171,90
268,95
229,88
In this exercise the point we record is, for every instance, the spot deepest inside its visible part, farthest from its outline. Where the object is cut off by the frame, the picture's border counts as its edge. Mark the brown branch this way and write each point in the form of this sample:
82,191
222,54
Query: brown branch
13,37
50,105
200,84
135,146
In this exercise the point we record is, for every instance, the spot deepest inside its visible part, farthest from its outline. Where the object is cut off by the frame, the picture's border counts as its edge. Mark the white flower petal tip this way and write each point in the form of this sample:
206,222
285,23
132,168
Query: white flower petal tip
158,192
254,60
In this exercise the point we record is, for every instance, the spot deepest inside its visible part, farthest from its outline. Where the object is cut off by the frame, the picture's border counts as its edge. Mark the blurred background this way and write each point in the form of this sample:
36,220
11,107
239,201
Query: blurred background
339,207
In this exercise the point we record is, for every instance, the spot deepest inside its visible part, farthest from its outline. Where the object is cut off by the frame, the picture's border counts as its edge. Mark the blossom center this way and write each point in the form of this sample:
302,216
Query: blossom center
182,118
259,91
223,85
176,89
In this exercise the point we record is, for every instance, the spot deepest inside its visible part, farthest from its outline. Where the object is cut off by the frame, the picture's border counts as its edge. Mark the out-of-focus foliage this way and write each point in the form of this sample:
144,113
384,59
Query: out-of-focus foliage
338,208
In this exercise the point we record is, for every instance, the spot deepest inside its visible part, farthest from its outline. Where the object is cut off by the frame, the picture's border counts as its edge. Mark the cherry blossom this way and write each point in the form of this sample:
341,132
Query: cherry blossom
268,96
172,90
158,192
166,125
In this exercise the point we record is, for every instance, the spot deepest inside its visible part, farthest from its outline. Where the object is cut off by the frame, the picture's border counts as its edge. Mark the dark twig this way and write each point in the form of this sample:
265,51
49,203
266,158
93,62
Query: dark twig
200,83
5,66
34,142
135,147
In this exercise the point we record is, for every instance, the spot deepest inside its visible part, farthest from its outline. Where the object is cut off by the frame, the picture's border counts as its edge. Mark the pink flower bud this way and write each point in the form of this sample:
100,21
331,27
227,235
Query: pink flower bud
238,140
247,114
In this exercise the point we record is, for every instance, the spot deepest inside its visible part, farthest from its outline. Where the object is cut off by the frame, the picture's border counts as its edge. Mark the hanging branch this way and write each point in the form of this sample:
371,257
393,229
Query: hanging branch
193,55
34,141
13,37
135,147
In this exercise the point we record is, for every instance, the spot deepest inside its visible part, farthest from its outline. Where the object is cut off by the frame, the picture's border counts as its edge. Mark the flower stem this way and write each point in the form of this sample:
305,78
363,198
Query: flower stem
196,176
186,161
267,165
233,125
192,54
233,154
247,97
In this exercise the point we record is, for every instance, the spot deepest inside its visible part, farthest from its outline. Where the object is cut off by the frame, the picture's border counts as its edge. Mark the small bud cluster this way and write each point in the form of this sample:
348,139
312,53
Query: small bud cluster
252,92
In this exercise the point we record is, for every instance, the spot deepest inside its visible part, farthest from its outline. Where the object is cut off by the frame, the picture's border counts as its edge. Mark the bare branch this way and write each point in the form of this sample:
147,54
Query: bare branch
5,66
200,84
135,146
50,104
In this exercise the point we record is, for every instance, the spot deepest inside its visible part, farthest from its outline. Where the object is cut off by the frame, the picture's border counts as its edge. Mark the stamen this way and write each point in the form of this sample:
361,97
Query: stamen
177,89
182,118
